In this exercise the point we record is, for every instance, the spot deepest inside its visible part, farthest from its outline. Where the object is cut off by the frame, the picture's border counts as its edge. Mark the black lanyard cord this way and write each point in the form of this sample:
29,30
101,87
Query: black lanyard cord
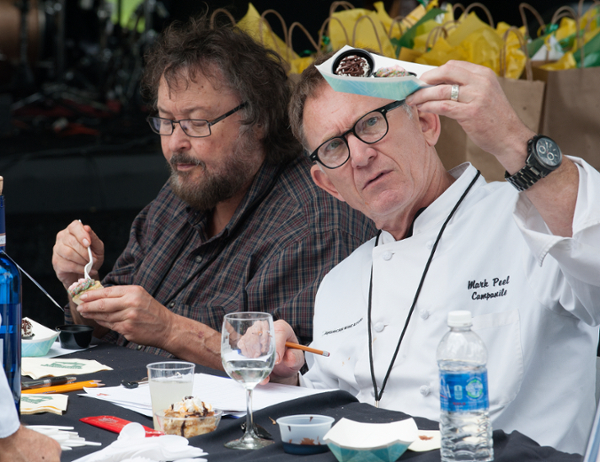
414,303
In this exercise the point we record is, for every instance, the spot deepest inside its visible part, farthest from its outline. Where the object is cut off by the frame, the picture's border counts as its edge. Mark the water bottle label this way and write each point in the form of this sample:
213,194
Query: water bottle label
464,392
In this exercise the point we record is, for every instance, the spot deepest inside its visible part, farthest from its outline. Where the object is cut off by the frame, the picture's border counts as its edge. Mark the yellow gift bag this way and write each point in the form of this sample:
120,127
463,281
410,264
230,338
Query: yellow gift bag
358,28
257,26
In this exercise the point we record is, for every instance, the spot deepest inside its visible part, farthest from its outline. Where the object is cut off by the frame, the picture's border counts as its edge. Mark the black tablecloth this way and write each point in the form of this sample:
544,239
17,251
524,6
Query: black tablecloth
131,365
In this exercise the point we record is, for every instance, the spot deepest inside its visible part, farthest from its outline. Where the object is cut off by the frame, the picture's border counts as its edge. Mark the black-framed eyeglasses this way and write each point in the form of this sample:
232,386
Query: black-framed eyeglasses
369,129
195,128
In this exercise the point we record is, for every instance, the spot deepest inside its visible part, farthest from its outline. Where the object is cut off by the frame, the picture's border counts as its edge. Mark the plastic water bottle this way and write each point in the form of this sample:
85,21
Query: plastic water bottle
10,310
465,425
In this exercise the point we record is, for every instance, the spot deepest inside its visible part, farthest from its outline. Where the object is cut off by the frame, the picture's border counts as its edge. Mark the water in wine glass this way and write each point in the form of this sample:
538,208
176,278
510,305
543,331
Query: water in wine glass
249,372
248,356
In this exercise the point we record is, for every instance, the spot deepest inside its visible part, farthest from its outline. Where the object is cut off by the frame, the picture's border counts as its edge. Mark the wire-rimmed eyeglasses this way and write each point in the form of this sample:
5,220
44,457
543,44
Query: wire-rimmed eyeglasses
369,129
195,128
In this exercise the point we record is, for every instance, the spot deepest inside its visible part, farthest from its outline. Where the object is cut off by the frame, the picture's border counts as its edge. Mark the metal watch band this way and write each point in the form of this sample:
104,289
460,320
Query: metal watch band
524,178
533,171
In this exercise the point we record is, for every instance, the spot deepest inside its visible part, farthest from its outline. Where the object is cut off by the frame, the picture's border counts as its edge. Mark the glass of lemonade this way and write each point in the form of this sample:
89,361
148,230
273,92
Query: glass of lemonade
169,382
248,356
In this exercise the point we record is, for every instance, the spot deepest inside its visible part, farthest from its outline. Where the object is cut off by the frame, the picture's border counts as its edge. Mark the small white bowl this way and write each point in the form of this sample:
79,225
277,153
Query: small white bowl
40,343
304,433
370,442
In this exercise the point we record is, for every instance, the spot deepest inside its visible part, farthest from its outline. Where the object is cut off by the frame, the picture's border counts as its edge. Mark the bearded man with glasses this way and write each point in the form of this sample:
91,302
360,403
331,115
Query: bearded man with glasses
519,255
240,226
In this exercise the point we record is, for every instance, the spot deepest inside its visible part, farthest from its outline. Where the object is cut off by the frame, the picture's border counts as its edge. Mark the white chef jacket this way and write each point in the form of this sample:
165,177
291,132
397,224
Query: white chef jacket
9,419
535,300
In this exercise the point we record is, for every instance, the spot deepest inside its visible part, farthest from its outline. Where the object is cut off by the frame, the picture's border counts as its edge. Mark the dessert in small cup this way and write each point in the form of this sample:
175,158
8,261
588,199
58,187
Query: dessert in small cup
189,417
354,63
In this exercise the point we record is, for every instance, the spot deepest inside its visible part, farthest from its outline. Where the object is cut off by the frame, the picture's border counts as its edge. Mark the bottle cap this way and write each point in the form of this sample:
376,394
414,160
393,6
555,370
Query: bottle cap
459,319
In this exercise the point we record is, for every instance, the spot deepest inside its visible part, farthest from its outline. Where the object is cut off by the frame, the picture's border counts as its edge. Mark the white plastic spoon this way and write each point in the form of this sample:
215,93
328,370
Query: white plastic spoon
88,267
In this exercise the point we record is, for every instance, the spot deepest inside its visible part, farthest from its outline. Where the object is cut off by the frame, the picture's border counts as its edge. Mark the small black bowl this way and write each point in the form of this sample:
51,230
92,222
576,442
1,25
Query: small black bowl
355,52
75,336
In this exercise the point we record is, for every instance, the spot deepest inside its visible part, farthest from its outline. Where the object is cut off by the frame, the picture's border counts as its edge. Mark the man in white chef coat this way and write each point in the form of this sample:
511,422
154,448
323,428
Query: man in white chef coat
523,256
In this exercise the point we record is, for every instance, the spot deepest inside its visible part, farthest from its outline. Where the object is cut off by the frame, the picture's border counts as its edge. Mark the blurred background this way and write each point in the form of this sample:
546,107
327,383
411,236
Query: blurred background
74,143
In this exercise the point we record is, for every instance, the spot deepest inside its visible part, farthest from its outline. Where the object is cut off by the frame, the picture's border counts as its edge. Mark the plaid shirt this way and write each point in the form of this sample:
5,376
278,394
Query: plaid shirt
283,239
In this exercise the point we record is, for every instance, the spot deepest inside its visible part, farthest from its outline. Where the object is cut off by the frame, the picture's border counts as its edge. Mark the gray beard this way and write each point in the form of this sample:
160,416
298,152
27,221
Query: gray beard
236,174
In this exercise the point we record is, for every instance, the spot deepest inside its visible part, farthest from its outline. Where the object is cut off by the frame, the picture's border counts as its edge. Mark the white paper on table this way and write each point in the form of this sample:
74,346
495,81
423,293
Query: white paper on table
57,350
47,367
222,393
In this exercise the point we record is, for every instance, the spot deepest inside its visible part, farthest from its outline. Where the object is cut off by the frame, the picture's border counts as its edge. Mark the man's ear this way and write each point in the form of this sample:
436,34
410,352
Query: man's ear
323,182
430,126
259,131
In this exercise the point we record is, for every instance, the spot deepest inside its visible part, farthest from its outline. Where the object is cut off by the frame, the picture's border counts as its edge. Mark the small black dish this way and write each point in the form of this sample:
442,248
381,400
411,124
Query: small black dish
355,52
74,336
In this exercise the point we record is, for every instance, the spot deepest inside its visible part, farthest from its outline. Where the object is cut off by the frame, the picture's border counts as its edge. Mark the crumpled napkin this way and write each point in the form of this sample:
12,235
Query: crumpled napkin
133,445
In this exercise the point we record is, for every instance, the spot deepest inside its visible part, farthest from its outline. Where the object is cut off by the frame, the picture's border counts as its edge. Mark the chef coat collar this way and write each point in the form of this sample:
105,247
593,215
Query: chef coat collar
437,211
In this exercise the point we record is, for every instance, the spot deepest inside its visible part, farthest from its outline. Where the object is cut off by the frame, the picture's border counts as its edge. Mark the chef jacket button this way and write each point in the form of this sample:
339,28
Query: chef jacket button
387,256
424,314
425,390
379,327
139,347
171,305
198,259
429,244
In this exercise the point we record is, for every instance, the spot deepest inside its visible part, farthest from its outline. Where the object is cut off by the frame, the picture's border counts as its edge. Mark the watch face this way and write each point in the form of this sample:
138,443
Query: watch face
548,153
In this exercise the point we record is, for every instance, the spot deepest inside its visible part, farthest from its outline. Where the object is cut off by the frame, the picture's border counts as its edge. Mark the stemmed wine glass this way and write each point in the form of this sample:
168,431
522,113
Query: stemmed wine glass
248,356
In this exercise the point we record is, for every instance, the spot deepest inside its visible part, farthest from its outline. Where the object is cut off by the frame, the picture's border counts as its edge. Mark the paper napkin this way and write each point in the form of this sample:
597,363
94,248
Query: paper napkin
427,440
52,367
35,404
133,444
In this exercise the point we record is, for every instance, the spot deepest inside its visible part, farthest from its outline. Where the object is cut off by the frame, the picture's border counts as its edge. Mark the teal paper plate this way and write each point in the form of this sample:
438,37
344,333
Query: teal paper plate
388,454
396,88
40,343
352,441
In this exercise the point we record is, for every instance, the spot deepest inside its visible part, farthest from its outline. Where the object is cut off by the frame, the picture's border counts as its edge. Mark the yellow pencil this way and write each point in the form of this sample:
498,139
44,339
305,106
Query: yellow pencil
305,348
64,388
